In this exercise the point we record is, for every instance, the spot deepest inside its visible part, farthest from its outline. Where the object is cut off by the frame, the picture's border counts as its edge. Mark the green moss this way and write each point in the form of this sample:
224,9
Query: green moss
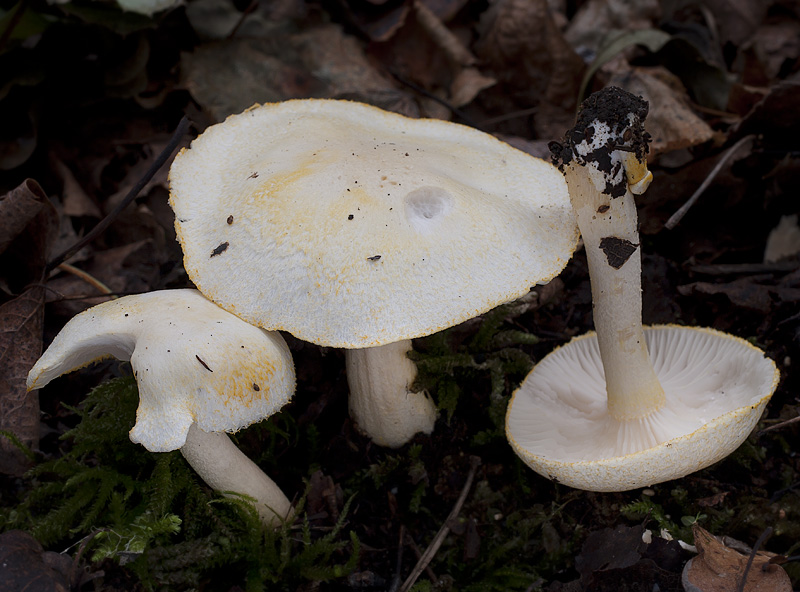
151,512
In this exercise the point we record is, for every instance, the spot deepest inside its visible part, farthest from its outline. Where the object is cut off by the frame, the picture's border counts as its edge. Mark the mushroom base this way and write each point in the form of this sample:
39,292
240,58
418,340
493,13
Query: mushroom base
716,387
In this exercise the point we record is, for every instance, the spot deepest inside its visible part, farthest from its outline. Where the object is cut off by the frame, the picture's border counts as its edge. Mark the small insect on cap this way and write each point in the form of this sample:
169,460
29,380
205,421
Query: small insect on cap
353,227
193,362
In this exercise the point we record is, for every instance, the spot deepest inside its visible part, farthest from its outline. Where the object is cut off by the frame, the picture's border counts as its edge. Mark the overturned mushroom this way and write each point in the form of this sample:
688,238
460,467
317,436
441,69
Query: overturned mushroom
351,227
602,413
201,371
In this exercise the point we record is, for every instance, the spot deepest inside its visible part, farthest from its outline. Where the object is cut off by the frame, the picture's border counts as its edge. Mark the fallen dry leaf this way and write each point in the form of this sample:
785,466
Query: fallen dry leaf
76,202
783,240
260,75
718,568
532,62
596,18
27,566
21,320
758,293
17,208
338,61
671,122
736,20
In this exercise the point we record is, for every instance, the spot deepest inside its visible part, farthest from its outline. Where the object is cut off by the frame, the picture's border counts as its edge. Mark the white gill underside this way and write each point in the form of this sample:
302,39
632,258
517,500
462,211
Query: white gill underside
569,424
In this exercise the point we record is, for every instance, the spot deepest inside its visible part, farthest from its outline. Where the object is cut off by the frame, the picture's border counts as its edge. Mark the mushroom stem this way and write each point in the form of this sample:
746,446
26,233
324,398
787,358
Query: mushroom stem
199,369
602,179
381,401
225,468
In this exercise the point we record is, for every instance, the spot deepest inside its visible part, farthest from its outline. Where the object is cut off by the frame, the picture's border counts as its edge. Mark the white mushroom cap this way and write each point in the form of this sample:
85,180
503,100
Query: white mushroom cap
193,362
352,227
716,387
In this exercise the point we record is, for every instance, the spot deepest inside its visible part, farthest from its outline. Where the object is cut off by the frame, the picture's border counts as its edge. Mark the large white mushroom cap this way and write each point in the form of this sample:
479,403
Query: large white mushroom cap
193,362
716,387
352,227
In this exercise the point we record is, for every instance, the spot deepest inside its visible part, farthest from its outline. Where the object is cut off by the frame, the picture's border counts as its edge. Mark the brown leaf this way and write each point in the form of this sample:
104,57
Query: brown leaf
596,18
777,116
737,20
380,23
338,62
21,320
25,567
265,72
712,500
718,568
529,56
777,43
17,208
747,292
671,122
466,86
609,548
76,202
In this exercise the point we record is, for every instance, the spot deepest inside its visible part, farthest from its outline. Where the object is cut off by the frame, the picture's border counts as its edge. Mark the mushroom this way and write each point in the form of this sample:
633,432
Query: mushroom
627,407
201,371
351,227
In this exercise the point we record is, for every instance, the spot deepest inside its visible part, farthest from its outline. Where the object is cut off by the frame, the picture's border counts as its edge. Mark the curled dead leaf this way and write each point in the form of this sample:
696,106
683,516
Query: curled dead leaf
671,122
718,568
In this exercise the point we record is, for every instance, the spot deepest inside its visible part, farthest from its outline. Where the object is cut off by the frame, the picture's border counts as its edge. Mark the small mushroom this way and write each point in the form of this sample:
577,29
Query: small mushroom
627,407
365,228
201,372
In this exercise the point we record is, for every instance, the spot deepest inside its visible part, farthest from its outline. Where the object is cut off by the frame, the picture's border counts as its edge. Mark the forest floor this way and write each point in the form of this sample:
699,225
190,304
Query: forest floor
91,95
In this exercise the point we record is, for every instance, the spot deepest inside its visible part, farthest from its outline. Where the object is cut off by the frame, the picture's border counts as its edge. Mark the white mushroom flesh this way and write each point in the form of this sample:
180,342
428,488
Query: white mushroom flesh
199,369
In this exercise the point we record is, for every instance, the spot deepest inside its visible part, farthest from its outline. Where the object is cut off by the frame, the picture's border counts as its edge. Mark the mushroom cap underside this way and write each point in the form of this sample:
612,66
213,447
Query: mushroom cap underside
349,226
193,362
716,387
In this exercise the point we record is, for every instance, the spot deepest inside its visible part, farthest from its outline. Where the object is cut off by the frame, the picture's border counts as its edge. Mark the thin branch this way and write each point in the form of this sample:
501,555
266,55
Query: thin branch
395,584
162,158
764,535
87,277
780,425
437,541
13,22
426,93
677,216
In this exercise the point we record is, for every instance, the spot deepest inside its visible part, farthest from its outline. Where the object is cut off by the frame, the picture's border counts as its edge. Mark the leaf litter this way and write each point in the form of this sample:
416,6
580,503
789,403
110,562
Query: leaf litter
93,99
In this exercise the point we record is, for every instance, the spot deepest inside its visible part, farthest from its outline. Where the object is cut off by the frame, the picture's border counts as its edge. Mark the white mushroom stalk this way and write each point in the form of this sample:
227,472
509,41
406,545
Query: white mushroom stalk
201,371
381,400
628,406
604,164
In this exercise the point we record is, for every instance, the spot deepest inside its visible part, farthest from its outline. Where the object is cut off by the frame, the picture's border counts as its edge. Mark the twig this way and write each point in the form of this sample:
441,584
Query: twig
746,268
74,577
418,554
507,116
395,584
251,8
442,36
12,23
88,278
764,535
437,541
780,425
426,93
176,138
677,216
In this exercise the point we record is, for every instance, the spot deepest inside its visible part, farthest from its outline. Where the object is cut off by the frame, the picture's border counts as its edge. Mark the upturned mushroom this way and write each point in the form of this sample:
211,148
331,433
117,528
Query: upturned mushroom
627,407
201,371
351,227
